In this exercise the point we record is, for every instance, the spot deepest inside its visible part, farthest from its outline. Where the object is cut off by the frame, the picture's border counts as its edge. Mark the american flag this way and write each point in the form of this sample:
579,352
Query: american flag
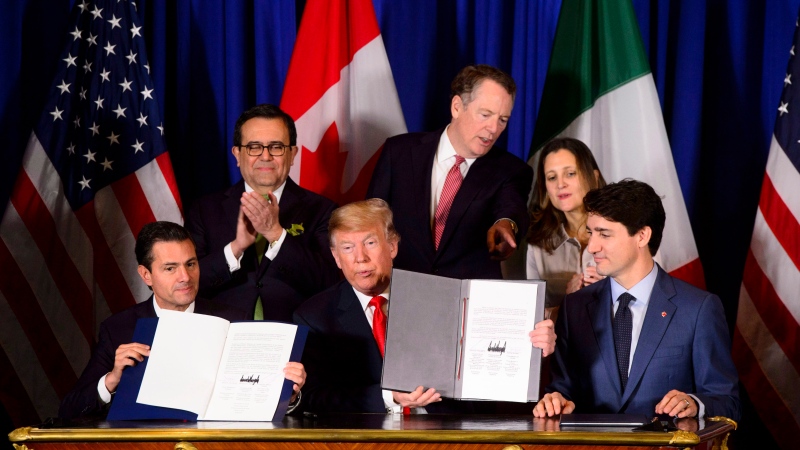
95,170
766,344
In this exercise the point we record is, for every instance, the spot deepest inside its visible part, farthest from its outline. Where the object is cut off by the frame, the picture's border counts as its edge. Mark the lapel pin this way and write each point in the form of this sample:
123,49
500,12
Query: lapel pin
663,314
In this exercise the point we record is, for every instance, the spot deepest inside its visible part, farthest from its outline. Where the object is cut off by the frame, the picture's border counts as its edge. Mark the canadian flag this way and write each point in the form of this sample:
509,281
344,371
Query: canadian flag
341,93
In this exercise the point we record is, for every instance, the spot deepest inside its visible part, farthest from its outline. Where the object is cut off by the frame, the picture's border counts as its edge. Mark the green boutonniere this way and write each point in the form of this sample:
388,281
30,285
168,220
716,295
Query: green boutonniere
296,229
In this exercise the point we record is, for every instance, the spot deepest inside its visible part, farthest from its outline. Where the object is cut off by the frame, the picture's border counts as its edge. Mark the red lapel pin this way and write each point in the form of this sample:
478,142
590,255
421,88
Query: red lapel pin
663,314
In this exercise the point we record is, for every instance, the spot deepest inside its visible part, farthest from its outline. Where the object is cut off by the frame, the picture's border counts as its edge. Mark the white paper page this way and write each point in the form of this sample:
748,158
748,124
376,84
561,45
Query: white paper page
183,361
497,349
250,374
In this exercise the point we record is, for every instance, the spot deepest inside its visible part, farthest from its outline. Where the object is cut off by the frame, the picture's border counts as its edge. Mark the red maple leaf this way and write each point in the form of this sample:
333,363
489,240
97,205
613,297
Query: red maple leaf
321,170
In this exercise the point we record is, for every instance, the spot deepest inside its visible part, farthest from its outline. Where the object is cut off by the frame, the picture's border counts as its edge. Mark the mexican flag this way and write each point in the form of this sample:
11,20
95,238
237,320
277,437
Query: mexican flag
599,89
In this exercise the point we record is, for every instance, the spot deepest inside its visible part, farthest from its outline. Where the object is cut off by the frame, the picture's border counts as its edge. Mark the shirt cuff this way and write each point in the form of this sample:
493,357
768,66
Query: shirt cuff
234,263
388,401
105,396
275,247
514,226
701,408
394,408
296,403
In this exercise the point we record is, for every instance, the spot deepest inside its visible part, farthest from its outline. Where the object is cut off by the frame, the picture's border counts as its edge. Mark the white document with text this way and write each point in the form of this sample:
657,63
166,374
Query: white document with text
497,349
216,369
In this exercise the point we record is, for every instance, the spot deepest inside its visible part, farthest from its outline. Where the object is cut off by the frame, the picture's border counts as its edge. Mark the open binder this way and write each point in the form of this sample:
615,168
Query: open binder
127,404
465,338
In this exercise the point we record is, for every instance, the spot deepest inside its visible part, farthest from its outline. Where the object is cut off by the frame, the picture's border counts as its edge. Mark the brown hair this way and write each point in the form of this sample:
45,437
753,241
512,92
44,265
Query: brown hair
470,77
546,218
359,216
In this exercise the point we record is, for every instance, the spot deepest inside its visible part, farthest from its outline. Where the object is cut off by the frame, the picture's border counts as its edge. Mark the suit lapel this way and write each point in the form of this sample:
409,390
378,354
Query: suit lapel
231,205
351,318
480,171
422,168
146,309
291,197
599,312
653,329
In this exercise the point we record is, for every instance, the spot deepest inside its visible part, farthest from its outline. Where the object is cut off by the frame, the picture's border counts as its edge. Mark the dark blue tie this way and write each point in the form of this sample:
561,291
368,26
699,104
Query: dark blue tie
623,328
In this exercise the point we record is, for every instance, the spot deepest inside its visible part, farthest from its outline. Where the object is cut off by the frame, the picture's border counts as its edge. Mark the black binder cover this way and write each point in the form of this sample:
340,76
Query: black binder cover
603,420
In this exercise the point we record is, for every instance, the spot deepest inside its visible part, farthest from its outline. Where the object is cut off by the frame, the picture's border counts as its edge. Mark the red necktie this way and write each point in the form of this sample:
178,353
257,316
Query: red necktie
379,322
449,190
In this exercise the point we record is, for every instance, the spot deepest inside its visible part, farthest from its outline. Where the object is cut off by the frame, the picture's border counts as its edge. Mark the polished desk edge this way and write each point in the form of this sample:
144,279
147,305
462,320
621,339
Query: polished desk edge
682,438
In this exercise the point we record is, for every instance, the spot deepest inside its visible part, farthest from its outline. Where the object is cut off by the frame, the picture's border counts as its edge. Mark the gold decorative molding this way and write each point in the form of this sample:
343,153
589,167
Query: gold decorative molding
20,434
723,419
720,443
21,447
183,445
512,447
681,437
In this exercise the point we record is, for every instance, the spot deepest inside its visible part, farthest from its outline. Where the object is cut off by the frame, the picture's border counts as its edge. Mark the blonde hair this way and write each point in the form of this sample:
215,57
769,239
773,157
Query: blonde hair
360,216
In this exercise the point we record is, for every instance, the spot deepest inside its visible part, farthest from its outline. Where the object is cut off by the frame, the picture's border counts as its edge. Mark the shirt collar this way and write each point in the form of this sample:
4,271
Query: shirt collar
365,299
564,237
277,192
641,290
446,150
189,309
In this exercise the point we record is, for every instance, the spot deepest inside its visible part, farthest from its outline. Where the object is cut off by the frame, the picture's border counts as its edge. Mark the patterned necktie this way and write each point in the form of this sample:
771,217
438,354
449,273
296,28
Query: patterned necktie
623,328
449,190
261,248
379,322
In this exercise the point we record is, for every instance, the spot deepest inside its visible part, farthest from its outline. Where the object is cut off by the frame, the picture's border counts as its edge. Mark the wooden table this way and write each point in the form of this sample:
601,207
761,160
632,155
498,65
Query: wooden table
368,431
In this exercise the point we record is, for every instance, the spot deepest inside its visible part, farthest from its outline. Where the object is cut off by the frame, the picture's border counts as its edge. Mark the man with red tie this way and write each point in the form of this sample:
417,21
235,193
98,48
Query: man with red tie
344,352
460,203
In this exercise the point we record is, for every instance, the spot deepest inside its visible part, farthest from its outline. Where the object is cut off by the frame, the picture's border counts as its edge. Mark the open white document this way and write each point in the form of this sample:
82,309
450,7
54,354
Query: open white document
217,369
468,339
497,349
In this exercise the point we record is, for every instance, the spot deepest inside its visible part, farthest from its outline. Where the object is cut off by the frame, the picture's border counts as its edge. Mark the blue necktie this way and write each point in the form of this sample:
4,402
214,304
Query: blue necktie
623,329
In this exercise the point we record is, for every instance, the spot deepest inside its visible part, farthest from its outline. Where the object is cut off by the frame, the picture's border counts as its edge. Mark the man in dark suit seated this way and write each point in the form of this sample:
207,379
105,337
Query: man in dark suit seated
168,265
344,351
262,243
639,341
460,203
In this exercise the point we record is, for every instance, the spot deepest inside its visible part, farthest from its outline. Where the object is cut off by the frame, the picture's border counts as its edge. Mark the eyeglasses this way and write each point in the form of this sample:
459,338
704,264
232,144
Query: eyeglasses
274,149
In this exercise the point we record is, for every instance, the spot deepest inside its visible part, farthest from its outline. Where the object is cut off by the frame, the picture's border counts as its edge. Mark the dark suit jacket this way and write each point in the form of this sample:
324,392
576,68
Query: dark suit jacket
341,356
83,399
687,349
303,267
496,186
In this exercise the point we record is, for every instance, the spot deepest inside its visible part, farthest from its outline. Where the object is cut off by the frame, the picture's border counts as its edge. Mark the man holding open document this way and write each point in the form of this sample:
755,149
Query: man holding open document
347,322
168,265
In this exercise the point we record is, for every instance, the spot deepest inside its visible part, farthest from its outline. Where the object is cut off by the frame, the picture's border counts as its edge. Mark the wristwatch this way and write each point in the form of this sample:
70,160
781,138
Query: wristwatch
513,226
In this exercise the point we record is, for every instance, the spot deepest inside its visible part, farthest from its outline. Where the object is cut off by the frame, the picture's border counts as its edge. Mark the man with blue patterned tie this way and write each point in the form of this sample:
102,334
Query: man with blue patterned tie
638,341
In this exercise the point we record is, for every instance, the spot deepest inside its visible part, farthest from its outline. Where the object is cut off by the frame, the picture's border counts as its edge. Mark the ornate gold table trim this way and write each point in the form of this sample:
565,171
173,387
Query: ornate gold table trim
29,435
